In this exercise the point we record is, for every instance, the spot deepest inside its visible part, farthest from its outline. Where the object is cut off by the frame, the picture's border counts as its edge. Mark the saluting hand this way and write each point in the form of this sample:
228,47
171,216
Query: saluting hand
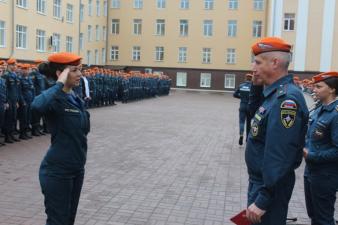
254,214
63,76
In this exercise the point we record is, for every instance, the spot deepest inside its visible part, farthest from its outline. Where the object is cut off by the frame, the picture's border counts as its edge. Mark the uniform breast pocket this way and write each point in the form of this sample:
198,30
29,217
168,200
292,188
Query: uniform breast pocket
320,131
72,120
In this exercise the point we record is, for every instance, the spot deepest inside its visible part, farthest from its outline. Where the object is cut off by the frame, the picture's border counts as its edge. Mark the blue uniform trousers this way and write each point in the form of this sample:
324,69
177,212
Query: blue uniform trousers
244,118
320,196
62,194
24,114
10,118
278,210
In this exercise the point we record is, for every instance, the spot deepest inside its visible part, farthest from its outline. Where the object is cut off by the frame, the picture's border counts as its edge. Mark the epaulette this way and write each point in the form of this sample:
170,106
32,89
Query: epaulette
281,90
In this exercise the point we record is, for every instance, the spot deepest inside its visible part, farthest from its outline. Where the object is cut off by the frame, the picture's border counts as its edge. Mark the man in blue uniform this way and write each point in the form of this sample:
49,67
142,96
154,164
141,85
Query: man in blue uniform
3,97
277,136
13,95
242,93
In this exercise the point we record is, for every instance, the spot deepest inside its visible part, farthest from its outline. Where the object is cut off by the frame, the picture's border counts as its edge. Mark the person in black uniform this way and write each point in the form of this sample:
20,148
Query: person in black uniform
242,93
62,169
277,136
321,152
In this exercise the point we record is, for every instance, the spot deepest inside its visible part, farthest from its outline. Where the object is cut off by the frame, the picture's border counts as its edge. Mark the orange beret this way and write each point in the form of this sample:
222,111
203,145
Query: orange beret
38,61
25,66
324,76
2,62
270,44
65,58
11,61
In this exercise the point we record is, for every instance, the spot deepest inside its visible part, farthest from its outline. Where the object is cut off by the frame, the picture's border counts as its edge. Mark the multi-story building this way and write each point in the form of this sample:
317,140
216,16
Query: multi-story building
200,44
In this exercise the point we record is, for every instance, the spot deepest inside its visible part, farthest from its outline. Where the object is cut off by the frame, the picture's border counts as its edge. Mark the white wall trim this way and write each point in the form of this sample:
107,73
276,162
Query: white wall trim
301,35
277,17
327,35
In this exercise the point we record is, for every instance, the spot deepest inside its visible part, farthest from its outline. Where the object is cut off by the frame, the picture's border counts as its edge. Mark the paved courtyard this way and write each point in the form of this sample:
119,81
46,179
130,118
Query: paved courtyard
170,160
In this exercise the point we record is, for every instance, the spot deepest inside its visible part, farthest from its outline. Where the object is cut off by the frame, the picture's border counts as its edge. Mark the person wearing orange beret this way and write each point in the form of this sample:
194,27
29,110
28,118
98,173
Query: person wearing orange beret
27,94
277,135
321,152
3,101
62,170
13,98
242,92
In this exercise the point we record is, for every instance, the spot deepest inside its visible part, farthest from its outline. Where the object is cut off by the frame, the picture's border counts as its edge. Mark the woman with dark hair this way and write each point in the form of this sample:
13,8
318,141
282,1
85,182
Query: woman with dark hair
62,169
321,152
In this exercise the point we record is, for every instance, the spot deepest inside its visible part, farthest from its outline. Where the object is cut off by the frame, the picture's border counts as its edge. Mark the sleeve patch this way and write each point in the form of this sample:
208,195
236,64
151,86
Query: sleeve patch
288,104
288,113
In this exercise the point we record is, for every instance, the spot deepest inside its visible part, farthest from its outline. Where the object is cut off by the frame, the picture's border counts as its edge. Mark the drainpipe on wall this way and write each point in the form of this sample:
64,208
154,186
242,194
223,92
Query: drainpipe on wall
107,31
12,39
78,51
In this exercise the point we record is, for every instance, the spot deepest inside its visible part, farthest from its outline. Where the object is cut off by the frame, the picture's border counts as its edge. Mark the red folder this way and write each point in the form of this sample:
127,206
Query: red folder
240,219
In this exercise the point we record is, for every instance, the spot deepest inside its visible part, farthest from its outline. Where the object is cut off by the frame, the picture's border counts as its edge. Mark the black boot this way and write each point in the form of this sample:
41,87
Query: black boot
240,141
8,139
14,138
23,136
36,132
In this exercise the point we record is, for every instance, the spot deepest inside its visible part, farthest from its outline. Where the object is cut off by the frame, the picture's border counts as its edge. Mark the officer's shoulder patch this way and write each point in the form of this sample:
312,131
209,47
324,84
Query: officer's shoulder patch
288,113
281,90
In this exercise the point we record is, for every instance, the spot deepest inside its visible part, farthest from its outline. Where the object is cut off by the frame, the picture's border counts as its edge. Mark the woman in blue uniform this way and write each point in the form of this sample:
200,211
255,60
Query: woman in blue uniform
321,152
62,169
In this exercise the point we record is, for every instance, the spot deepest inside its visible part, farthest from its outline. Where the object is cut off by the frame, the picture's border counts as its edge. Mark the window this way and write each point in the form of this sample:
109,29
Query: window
21,3
97,30
138,4
81,12
115,26
98,11
184,28
21,36
229,81
89,38
160,4
207,28
206,55
181,79
41,6
69,14
205,80
160,27
136,54
69,44
89,57
115,4
258,4
90,7
40,40
57,8
137,27
231,56
182,54
232,28
233,4
105,8
103,55
257,29
81,41
184,4
289,21
104,33
114,53
159,53
56,42
208,4
2,34
96,57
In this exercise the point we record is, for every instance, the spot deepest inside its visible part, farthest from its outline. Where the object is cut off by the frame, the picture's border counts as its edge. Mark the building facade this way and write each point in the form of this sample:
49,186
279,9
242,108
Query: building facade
200,44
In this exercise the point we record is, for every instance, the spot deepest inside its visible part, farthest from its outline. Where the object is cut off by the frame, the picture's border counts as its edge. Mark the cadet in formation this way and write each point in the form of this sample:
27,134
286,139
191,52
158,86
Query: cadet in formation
62,169
321,152
277,135
242,92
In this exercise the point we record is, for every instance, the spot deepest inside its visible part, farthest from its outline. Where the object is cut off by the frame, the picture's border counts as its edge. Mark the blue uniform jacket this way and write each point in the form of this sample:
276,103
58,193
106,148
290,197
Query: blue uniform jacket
242,93
276,140
322,139
27,90
3,92
69,126
39,81
13,87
